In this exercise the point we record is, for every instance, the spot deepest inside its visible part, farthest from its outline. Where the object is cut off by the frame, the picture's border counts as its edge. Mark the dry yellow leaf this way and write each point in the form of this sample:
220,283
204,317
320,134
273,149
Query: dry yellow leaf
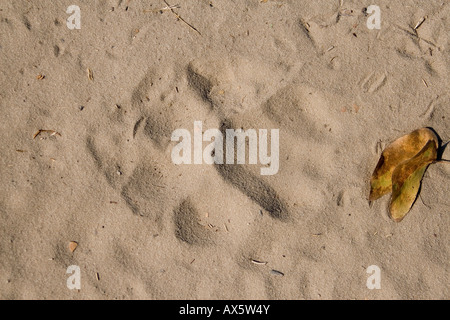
406,180
402,149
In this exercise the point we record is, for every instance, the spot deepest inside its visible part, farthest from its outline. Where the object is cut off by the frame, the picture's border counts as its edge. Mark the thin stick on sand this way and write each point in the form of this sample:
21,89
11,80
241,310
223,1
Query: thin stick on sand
51,132
169,7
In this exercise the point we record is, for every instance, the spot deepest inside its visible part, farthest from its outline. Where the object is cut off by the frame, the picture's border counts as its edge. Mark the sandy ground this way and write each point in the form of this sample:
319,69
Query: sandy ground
149,229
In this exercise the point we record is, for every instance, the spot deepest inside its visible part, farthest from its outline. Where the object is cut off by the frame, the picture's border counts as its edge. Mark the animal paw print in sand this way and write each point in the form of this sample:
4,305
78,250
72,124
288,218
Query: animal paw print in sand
200,204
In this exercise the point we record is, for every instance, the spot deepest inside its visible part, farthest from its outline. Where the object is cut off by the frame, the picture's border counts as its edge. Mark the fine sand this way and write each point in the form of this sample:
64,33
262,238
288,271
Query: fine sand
109,95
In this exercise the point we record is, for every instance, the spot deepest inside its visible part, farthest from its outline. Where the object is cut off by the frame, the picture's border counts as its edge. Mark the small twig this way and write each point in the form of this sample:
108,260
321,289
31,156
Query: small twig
258,262
52,133
90,74
277,273
180,18
416,35
420,23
